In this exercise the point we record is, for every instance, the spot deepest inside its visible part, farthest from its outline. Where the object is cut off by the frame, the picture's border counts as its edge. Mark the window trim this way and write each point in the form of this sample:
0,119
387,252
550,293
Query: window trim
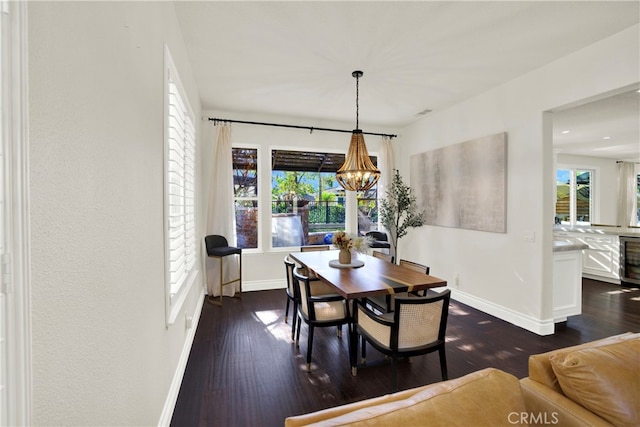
174,299
573,169
16,265
351,224
260,190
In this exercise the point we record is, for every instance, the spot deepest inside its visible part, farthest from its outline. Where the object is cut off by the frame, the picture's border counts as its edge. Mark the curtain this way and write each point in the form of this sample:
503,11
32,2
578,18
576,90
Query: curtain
386,166
626,194
221,213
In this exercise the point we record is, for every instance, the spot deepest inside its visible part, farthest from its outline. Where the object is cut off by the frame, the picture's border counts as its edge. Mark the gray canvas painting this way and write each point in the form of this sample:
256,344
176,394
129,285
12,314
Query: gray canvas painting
464,185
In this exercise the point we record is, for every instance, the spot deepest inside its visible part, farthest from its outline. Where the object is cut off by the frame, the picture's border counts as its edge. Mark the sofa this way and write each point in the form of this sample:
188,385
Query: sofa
593,384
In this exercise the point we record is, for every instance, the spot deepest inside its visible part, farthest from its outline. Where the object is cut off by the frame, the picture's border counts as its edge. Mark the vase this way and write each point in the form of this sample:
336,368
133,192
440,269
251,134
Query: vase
344,256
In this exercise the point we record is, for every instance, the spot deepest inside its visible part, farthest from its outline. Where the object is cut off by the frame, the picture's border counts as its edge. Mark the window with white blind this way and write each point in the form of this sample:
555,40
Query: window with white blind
180,236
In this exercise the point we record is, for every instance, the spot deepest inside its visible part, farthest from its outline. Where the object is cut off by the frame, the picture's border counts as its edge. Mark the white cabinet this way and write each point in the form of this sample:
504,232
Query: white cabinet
601,260
567,284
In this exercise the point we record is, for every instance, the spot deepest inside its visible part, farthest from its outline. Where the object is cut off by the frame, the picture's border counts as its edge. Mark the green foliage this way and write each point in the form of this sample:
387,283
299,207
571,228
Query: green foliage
398,211
290,185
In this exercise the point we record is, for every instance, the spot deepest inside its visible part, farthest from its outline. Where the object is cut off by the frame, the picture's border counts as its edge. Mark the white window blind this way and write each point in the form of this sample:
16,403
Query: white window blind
180,189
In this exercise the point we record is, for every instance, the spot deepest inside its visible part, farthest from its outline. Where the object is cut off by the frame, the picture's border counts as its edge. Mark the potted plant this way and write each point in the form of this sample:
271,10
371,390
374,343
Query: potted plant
398,211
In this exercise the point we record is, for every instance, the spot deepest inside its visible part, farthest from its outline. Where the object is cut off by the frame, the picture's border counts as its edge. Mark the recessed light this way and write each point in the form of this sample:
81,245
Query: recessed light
566,131
607,137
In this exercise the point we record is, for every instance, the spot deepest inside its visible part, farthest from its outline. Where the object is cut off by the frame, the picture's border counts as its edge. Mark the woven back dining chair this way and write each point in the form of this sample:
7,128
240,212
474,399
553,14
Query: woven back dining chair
318,310
417,326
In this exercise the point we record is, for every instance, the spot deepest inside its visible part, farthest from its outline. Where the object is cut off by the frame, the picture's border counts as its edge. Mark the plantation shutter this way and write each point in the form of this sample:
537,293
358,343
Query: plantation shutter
181,182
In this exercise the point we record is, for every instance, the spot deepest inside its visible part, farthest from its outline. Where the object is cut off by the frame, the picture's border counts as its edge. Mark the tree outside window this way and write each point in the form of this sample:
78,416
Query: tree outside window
245,192
574,196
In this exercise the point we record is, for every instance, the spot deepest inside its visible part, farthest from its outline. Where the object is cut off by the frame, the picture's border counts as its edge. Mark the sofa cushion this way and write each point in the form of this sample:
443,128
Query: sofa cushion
540,369
487,397
604,380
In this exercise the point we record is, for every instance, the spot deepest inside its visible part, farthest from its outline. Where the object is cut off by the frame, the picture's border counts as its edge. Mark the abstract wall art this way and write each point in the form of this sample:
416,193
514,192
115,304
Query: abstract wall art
464,185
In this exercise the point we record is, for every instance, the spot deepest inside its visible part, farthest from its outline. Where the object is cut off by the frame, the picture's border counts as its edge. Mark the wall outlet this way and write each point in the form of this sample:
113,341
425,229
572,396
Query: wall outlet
188,321
529,236
456,280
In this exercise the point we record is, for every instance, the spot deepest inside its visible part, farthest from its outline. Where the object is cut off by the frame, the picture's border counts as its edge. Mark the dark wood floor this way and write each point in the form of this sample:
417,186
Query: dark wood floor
244,370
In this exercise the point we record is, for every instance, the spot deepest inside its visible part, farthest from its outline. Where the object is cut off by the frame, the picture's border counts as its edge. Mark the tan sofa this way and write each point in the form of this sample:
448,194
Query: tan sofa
483,398
593,384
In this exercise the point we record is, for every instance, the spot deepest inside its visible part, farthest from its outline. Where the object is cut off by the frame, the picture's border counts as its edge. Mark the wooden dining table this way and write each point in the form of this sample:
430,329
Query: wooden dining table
375,277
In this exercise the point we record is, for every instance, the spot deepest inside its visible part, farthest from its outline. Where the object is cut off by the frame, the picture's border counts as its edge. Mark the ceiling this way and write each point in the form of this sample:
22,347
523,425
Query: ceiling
296,58
607,128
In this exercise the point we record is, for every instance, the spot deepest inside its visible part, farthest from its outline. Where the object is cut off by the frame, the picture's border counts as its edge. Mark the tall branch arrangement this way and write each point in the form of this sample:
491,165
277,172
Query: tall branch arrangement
398,211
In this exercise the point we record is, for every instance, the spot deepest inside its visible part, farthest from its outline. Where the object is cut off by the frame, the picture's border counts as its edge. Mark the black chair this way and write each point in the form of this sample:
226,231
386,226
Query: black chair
416,326
379,240
318,311
291,294
384,304
218,247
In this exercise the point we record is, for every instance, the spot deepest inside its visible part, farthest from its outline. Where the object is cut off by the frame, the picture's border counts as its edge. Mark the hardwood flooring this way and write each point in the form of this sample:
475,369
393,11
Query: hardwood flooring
244,369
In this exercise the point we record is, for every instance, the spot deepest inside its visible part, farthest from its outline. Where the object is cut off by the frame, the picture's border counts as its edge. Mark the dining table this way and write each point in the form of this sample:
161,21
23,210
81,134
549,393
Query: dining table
364,277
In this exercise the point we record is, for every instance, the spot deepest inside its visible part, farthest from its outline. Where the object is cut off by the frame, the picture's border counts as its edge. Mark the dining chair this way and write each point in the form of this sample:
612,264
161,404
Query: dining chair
384,304
416,326
383,256
381,303
311,248
218,247
317,311
289,266
420,268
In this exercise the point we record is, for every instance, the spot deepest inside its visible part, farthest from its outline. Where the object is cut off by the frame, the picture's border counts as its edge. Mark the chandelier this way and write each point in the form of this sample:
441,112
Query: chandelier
358,172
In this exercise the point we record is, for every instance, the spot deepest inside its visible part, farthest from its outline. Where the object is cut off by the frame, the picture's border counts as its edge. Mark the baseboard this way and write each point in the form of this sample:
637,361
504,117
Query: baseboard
537,326
601,278
263,285
174,389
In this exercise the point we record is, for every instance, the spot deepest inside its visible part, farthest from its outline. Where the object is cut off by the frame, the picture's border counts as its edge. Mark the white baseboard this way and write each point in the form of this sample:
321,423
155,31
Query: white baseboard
540,327
174,389
263,285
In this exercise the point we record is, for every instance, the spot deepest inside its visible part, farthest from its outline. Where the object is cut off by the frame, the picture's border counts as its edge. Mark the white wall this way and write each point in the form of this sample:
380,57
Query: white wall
502,273
605,190
102,354
265,269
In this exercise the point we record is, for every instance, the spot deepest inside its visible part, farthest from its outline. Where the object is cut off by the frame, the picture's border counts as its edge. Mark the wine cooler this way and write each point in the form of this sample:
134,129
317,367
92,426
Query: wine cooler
630,260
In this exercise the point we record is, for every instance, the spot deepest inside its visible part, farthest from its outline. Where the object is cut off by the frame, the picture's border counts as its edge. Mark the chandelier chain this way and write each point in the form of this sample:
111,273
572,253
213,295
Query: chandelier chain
357,102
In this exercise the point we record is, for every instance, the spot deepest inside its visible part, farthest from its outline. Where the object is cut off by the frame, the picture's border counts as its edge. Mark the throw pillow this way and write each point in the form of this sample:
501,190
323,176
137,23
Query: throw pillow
604,380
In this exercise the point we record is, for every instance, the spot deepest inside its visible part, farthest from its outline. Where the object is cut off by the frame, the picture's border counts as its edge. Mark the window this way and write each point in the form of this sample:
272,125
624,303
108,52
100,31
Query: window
245,193
574,198
638,195
307,203
15,284
180,236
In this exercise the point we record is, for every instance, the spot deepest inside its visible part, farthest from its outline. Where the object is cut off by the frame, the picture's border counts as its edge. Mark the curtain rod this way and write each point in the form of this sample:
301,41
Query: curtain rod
309,128
622,161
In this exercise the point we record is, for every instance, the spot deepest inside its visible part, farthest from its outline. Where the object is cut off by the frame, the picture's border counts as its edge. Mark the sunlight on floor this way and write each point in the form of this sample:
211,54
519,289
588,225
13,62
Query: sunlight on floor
467,347
457,310
273,320
620,291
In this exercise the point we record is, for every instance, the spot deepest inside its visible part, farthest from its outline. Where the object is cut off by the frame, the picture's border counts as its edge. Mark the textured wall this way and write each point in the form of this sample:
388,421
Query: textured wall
101,351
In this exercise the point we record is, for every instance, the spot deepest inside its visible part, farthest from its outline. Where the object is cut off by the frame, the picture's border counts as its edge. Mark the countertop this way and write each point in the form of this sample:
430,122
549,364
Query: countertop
560,246
604,229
